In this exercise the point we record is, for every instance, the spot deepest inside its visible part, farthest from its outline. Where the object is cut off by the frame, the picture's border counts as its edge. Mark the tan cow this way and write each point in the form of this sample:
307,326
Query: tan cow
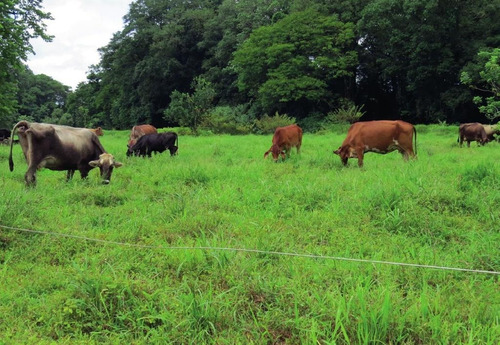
138,131
98,131
61,148
284,139
380,137
491,131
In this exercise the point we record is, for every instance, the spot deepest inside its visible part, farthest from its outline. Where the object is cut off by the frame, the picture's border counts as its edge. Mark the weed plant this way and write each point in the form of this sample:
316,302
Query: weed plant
441,209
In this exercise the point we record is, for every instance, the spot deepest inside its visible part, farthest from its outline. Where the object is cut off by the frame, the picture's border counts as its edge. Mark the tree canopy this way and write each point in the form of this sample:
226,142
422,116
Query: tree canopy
305,58
20,21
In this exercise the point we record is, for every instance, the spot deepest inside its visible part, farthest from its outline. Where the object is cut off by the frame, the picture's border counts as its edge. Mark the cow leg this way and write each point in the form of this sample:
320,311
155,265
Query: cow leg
360,154
173,150
84,170
69,174
468,143
406,154
30,176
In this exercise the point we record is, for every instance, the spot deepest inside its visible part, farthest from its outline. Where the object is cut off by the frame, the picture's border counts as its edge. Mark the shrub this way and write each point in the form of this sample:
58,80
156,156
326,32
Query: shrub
348,112
268,124
227,120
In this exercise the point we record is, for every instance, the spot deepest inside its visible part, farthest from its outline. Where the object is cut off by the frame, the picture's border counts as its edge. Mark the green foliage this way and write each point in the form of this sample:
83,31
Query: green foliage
489,76
400,58
190,110
295,60
228,120
348,112
20,21
441,209
267,124
413,51
42,98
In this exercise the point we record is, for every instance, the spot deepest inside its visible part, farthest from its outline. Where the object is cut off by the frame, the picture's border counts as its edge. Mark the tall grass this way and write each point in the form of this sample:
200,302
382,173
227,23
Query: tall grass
441,209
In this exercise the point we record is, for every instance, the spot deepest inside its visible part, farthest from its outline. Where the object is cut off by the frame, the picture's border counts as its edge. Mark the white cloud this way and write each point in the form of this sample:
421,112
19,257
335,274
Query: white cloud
80,27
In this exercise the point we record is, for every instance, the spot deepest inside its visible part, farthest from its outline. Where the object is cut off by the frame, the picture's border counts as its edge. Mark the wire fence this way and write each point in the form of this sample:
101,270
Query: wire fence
246,250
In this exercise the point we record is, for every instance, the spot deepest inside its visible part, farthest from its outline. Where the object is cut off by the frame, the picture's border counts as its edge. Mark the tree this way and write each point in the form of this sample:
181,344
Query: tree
38,96
20,21
296,63
413,51
190,109
487,81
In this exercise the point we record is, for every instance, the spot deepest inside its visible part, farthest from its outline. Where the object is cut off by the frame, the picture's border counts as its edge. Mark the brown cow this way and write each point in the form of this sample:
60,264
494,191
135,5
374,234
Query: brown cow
472,132
61,148
380,137
284,139
98,131
138,131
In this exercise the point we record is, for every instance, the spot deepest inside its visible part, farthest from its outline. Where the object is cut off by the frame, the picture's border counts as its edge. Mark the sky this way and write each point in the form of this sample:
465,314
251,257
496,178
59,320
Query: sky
79,28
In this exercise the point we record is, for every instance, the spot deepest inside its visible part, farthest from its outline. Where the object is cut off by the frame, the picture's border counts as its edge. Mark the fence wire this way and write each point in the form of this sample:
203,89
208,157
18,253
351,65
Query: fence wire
246,250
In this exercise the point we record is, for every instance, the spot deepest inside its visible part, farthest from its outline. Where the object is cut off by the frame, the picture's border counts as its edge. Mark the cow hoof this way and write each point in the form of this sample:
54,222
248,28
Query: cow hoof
105,182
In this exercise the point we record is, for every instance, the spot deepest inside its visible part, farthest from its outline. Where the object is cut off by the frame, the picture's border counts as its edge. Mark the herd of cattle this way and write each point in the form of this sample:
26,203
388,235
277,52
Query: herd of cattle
65,148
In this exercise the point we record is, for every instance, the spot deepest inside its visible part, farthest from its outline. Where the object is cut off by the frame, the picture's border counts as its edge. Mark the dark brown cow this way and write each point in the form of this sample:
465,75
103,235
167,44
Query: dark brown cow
61,148
98,131
284,139
380,137
138,131
472,132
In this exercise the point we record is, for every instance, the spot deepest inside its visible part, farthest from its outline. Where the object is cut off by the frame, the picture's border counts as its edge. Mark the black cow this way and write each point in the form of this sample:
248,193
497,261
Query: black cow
4,134
156,142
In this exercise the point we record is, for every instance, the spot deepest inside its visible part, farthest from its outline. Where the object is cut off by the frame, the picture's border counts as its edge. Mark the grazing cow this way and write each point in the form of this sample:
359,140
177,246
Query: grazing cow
138,131
4,134
491,131
61,148
156,142
380,137
98,131
284,139
472,132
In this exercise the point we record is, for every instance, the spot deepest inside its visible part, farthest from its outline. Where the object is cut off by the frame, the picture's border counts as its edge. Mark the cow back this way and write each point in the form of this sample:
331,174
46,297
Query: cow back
287,136
138,131
59,147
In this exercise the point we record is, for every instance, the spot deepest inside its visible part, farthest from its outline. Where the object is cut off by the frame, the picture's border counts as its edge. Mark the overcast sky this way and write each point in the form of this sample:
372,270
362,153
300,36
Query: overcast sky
80,27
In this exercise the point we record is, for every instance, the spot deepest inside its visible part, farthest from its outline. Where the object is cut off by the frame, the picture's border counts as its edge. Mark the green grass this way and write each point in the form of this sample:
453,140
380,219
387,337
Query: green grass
441,209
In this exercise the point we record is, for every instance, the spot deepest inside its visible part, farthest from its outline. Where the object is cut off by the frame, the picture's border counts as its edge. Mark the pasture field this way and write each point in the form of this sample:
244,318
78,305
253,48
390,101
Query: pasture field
442,209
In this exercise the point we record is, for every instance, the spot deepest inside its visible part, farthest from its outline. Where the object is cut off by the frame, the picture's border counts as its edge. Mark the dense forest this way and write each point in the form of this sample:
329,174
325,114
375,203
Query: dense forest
197,62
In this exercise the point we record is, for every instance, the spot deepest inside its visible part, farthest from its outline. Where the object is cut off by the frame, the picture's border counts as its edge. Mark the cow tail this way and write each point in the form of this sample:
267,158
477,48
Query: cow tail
20,123
415,132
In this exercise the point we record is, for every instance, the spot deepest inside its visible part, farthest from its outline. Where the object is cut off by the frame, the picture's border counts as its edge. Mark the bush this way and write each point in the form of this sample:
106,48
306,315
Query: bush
227,120
313,123
268,124
348,112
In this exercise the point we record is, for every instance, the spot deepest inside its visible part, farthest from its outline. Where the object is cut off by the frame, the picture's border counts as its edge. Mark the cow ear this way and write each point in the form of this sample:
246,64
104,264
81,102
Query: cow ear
94,164
266,154
117,164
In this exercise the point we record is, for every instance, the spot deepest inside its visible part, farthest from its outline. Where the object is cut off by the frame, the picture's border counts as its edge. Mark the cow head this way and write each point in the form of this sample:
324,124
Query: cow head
276,152
130,144
345,152
105,163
